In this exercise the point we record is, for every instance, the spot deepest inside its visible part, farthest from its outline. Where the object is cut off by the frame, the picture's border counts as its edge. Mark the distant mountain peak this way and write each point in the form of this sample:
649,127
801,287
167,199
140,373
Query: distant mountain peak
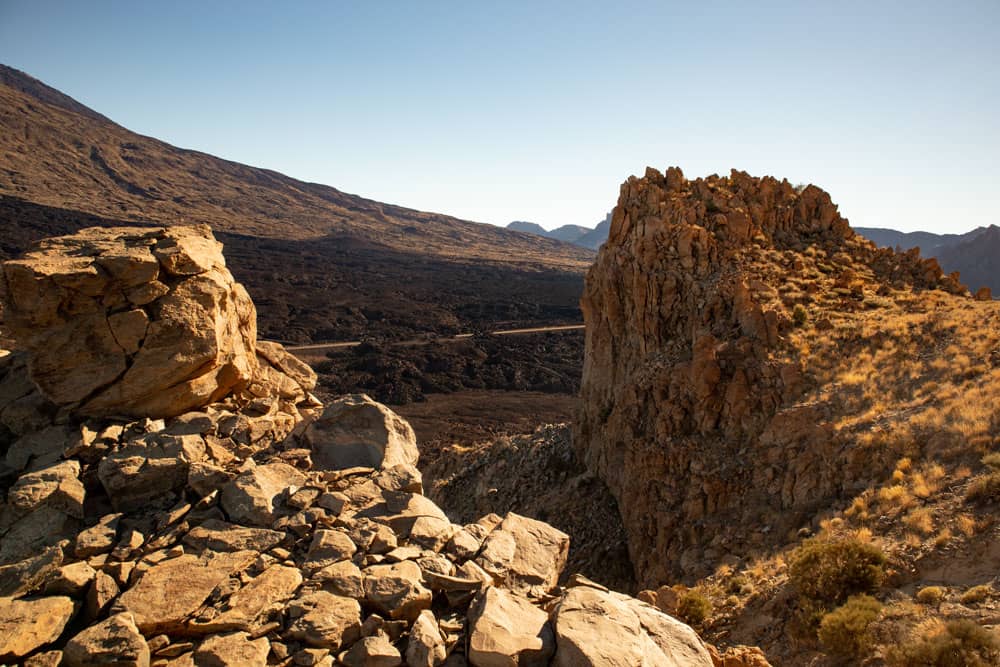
29,85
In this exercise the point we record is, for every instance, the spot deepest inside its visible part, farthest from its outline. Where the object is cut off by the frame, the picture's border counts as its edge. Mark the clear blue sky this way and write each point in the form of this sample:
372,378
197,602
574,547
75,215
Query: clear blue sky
539,110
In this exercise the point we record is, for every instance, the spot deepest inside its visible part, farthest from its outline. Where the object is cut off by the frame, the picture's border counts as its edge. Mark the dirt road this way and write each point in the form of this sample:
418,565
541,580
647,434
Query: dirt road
320,347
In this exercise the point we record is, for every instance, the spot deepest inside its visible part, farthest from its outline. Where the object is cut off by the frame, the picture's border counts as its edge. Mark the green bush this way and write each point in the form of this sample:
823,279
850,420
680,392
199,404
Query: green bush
831,571
693,608
963,643
984,489
844,631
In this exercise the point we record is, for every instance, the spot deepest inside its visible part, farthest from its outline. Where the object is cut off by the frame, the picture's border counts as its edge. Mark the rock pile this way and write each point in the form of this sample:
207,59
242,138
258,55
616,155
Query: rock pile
222,517
691,409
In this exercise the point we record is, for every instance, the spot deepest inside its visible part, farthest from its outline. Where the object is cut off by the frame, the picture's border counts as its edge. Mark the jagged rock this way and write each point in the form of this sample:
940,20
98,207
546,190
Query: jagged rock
254,496
508,631
525,554
56,486
36,449
248,605
374,651
325,620
189,579
215,535
396,590
45,659
356,431
595,627
303,377
235,649
426,646
688,376
115,641
68,303
31,533
26,625
328,547
204,477
24,576
343,578
71,580
739,656
99,538
148,468
102,592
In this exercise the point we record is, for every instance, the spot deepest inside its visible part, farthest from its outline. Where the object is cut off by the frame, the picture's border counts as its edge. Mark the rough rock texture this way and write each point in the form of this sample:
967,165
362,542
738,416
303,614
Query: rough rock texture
132,321
225,535
691,407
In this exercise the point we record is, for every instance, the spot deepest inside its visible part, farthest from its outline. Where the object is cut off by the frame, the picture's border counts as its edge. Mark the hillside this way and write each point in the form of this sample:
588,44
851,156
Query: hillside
788,416
326,264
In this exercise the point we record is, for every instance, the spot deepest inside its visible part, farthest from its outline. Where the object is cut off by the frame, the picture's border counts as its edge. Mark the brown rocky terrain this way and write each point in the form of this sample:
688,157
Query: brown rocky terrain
240,522
787,416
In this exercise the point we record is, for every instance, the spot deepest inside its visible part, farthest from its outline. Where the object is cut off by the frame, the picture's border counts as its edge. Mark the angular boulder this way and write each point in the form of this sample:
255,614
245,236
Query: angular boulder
357,431
115,641
508,631
526,555
26,625
254,497
132,321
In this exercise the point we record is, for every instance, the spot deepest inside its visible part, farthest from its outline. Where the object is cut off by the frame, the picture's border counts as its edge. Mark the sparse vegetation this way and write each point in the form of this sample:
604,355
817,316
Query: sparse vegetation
984,489
831,571
976,594
799,315
693,607
930,594
960,643
844,631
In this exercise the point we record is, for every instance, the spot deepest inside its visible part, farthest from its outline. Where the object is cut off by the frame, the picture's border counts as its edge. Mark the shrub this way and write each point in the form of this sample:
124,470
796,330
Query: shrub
976,594
844,631
832,571
799,315
930,594
693,608
992,460
961,643
984,489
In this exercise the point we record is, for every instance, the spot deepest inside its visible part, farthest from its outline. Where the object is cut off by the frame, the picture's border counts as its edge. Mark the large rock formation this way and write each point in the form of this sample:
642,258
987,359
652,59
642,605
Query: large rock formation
144,322
214,536
694,408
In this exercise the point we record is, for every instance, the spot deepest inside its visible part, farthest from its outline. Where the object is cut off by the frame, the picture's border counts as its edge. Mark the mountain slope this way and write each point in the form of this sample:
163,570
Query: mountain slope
60,154
324,264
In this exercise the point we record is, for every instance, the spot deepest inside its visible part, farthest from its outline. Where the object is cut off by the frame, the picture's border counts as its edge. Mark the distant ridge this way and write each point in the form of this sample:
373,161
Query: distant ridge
585,237
25,83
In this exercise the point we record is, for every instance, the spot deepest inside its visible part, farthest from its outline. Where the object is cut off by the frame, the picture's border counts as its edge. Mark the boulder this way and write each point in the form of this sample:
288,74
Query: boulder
508,631
524,554
426,645
27,625
148,468
397,590
235,649
357,431
132,321
325,620
248,606
115,641
216,535
374,651
255,496
57,486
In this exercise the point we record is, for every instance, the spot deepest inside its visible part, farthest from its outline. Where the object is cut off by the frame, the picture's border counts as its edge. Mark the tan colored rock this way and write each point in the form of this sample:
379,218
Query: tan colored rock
343,578
356,431
426,644
595,627
288,364
72,580
255,496
215,535
102,592
57,486
235,649
397,590
27,625
99,538
374,651
325,620
525,554
328,547
26,575
247,606
65,308
33,532
115,641
508,631
148,468
190,581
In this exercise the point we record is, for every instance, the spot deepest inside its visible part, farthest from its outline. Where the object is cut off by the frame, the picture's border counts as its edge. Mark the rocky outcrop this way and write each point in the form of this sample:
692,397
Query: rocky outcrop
255,528
132,321
693,409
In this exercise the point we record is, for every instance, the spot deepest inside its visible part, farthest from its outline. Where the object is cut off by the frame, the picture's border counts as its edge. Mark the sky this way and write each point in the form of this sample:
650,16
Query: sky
538,111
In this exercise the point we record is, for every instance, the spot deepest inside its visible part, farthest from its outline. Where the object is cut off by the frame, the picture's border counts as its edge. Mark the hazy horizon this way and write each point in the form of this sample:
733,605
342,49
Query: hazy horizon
538,112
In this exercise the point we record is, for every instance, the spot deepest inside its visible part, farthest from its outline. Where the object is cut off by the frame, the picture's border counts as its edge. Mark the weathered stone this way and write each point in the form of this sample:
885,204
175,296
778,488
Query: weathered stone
37,449
204,477
357,431
30,534
99,538
426,645
508,631
148,468
71,580
27,625
190,581
343,578
396,590
25,575
325,620
215,535
374,651
300,373
102,592
328,547
235,649
525,554
254,496
115,641
199,346
595,627
57,486
247,607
